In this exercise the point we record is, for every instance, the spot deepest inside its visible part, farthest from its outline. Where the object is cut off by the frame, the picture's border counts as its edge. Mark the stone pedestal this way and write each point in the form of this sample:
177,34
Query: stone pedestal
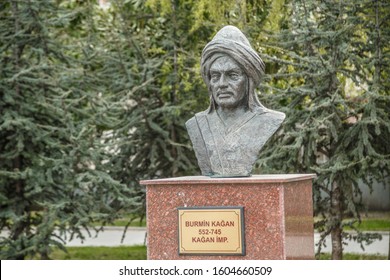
278,213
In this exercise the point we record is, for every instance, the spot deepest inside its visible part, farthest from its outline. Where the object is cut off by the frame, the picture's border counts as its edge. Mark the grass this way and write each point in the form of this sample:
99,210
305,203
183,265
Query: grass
373,221
139,253
373,225
101,253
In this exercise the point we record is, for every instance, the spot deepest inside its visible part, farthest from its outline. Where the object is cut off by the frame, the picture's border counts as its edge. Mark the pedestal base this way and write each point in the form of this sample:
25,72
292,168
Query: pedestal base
278,213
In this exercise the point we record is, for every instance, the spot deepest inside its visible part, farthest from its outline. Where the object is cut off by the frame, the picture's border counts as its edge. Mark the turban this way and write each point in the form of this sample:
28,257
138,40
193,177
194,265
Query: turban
232,42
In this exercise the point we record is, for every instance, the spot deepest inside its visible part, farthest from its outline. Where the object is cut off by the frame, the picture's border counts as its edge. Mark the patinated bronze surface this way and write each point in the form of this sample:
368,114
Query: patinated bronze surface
228,136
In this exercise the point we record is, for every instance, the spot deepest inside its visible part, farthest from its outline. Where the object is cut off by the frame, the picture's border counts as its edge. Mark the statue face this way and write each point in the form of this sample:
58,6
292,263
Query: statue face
228,83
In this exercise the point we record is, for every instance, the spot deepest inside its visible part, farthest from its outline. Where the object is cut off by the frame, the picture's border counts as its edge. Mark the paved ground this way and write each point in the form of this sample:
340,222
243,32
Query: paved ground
380,247
111,236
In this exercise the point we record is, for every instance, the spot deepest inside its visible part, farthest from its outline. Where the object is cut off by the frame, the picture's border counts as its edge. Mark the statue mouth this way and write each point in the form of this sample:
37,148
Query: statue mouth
225,94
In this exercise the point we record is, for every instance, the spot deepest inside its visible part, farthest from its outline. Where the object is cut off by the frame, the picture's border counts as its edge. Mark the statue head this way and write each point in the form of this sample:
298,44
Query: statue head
231,48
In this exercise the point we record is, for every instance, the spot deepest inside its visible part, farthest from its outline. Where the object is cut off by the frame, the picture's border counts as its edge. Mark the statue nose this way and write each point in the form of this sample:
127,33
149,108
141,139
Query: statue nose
223,82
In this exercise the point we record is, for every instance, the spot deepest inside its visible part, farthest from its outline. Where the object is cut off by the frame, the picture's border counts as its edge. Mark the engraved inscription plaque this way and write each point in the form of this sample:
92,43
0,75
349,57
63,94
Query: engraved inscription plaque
211,230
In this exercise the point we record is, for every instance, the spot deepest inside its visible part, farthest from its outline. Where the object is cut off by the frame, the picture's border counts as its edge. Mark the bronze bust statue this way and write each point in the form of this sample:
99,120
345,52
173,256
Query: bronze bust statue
228,136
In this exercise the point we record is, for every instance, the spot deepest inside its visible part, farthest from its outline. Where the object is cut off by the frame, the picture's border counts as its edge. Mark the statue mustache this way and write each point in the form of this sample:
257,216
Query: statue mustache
225,92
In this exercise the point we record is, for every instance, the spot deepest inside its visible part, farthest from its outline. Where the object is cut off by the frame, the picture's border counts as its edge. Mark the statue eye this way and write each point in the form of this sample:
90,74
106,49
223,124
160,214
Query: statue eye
215,76
234,76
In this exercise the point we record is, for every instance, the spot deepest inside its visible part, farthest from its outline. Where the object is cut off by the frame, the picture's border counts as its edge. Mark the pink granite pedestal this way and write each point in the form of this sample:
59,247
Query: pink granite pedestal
278,213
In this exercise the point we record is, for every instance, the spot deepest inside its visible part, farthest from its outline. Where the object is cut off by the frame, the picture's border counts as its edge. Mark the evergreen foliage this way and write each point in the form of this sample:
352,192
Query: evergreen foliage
150,136
333,84
93,100
52,180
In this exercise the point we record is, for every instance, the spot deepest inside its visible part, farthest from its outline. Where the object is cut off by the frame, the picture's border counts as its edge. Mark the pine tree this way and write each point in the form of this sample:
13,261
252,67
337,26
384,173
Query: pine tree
332,82
52,179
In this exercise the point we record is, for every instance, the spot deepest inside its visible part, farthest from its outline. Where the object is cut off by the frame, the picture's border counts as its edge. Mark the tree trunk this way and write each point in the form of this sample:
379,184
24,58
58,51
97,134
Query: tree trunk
337,216
388,255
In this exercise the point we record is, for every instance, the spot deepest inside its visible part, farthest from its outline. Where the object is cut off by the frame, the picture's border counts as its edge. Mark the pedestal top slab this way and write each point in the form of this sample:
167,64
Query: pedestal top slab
267,178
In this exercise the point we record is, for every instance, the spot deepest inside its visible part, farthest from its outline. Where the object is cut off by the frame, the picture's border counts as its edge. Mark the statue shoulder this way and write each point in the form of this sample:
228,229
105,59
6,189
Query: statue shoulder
192,121
278,116
272,116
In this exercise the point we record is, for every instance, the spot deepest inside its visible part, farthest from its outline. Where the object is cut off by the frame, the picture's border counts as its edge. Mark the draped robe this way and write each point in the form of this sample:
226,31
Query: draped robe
231,150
